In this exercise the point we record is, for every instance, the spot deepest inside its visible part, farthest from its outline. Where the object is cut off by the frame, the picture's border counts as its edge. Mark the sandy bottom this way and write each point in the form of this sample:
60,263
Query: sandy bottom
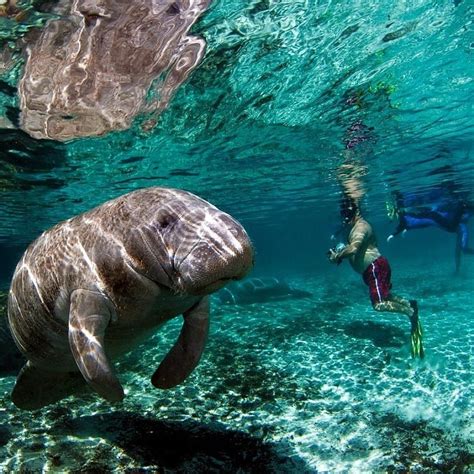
318,384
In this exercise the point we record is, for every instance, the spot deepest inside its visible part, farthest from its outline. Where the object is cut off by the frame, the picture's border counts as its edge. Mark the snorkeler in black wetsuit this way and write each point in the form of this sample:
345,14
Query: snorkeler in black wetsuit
451,216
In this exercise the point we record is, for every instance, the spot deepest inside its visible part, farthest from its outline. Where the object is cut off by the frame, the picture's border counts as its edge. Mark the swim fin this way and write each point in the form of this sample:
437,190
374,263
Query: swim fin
416,332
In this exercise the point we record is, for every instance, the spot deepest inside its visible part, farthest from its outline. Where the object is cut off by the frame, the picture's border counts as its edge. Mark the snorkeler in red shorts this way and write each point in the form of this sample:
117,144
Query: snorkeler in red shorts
377,277
365,259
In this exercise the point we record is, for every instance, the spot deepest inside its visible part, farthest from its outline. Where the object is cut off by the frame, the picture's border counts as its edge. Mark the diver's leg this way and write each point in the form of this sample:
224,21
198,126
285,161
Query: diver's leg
396,304
378,277
463,238
399,299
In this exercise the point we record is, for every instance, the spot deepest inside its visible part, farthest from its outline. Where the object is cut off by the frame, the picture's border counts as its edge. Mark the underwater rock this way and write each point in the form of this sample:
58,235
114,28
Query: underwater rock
101,63
108,278
259,290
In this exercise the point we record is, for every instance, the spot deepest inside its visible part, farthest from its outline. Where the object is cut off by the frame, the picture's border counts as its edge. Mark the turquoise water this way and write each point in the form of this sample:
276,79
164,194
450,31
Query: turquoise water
320,383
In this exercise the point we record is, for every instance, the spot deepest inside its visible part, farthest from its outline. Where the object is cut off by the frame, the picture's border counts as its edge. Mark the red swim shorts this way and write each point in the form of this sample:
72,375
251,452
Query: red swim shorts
377,276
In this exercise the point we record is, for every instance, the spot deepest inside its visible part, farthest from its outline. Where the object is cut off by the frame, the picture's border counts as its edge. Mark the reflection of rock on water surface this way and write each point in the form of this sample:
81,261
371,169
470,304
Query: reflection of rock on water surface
103,62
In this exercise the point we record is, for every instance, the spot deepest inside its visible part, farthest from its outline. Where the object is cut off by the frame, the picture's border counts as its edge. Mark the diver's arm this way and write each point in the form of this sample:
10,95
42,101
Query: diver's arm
401,228
357,238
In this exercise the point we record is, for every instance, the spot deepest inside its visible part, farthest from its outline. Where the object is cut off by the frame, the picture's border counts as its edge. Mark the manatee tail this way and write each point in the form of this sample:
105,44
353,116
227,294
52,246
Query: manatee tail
36,388
416,332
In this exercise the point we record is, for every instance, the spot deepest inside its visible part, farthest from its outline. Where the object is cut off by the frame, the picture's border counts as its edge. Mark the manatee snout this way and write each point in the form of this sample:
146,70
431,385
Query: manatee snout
224,253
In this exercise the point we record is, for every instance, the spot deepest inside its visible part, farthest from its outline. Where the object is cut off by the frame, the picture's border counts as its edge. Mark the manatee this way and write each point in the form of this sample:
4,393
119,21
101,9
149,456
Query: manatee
94,286
258,290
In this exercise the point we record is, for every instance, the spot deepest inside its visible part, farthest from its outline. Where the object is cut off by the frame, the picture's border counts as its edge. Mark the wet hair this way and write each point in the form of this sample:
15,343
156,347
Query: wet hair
348,209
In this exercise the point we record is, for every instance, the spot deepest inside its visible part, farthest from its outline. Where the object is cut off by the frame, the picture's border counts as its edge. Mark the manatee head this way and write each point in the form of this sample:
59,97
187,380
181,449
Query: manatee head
192,247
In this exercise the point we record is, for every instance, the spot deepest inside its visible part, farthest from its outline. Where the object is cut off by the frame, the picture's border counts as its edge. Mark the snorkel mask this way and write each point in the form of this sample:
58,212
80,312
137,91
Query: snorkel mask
348,210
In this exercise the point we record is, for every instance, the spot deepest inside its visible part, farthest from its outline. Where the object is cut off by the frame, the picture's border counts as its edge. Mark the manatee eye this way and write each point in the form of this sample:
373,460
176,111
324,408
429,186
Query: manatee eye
90,19
166,220
173,9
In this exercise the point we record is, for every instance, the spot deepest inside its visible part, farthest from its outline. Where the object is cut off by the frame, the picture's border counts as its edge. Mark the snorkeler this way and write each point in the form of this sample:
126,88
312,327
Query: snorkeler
449,216
365,258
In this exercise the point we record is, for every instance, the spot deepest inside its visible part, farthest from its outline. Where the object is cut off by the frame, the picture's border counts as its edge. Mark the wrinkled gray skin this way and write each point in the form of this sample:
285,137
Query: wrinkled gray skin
94,286
105,61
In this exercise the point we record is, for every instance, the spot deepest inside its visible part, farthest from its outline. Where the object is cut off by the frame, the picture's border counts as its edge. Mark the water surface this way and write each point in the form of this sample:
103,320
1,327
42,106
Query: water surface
261,129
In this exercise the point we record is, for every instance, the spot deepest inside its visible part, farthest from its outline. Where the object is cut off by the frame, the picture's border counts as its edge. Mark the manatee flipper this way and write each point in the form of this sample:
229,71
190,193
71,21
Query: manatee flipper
36,388
89,315
185,354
